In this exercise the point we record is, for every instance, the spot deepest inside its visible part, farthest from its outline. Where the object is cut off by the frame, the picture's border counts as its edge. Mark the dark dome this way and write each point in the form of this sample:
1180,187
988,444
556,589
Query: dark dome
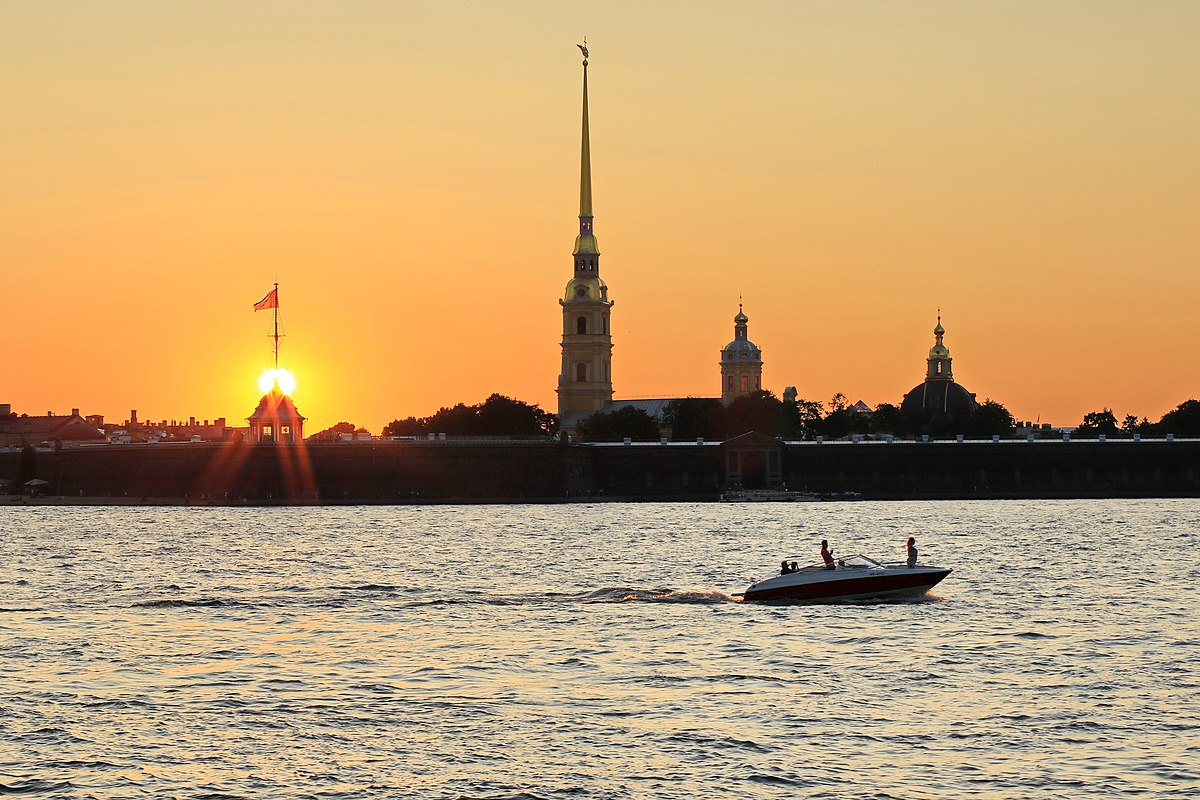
944,396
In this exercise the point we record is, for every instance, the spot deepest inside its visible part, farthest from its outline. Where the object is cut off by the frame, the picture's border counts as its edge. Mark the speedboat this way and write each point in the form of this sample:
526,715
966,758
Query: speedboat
854,578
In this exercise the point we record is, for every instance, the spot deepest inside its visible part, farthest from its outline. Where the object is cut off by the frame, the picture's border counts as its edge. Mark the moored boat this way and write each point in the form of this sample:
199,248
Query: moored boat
856,577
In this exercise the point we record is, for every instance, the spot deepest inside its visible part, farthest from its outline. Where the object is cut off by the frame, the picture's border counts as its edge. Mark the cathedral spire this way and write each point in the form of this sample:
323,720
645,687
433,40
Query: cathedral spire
585,244
585,379
938,363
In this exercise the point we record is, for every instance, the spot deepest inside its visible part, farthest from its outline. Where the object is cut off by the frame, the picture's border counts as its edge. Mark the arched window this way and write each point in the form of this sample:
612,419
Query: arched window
729,383
581,373
939,368
581,325
745,383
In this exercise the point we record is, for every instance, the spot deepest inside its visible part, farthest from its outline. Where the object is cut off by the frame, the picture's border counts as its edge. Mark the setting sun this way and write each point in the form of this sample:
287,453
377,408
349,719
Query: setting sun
277,377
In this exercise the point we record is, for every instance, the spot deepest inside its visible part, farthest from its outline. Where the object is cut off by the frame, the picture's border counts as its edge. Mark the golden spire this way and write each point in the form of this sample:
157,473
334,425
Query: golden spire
585,243
585,166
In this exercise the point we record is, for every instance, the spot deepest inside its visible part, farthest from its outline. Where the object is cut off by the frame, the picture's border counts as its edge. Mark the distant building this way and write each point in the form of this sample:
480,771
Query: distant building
585,378
741,362
137,431
276,420
939,392
65,430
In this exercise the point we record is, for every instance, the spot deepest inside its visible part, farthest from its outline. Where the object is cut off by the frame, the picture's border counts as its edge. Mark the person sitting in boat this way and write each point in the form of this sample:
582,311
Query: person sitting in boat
784,569
795,567
827,555
912,552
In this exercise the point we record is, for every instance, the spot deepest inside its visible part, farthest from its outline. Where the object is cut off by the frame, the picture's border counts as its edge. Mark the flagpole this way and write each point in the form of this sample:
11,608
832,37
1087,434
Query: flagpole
276,337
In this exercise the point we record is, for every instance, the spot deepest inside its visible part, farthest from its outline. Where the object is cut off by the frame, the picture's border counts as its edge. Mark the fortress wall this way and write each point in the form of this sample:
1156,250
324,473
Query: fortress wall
399,472
1045,468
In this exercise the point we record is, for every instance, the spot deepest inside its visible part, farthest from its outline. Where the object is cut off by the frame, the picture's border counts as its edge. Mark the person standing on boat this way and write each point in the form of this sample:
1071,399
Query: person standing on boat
912,552
827,555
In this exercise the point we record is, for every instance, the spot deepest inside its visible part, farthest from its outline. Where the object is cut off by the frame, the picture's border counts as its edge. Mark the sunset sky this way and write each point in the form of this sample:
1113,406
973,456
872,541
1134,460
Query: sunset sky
408,172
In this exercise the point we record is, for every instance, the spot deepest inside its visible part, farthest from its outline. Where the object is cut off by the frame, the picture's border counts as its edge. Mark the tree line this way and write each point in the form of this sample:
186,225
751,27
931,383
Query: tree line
689,418
1183,420
496,416
693,417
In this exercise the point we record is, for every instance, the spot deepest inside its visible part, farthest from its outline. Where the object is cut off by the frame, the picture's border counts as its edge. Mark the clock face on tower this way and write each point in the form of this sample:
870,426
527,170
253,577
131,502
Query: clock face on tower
580,291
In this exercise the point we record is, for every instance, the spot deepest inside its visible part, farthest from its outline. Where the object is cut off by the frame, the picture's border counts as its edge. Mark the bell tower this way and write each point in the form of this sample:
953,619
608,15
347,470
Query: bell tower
585,379
938,364
741,362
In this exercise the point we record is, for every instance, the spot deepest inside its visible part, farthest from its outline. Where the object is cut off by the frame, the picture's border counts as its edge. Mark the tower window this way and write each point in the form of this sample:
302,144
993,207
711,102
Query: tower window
939,368
581,373
745,383
729,383
581,325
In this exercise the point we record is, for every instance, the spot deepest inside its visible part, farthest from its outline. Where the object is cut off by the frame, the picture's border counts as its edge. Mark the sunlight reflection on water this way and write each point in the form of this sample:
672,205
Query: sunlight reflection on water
595,651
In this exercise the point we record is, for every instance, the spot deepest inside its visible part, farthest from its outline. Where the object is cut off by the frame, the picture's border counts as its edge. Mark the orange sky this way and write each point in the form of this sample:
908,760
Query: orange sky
408,172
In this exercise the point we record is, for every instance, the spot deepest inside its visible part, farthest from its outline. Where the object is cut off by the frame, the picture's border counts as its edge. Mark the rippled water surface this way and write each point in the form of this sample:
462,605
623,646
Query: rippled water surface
594,651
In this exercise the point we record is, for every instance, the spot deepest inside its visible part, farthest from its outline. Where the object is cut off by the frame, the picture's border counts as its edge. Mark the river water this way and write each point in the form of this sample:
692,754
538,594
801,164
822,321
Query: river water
595,651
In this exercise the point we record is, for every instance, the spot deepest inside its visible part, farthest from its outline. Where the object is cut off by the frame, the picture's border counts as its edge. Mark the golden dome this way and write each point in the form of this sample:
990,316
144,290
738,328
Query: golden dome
585,289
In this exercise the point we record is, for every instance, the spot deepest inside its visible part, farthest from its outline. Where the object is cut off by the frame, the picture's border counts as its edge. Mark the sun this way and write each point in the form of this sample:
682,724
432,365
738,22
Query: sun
277,377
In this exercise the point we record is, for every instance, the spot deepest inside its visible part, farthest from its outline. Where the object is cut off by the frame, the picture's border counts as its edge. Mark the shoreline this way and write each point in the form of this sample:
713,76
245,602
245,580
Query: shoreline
181,502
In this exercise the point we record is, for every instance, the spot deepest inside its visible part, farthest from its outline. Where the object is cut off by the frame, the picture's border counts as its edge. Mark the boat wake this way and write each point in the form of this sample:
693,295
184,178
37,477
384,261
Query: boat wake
381,594
627,595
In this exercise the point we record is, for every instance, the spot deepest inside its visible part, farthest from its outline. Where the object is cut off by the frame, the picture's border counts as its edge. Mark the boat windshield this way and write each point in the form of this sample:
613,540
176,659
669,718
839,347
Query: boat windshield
859,561
856,561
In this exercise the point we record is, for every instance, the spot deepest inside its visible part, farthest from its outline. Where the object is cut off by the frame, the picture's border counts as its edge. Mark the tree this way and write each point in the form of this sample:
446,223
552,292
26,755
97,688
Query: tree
615,426
887,419
692,417
1096,423
497,416
989,419
332,433
756,411
802,418
503,416
1184,420
409,426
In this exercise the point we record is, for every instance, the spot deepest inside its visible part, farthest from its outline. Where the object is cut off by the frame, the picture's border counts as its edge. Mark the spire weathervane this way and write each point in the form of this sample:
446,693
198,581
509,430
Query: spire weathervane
583,47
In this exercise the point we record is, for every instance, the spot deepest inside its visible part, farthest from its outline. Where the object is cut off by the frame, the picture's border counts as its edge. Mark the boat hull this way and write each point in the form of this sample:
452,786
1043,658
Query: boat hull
831,585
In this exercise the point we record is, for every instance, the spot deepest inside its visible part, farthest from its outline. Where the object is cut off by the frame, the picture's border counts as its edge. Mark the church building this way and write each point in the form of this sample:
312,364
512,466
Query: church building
939,392
585,379
741,362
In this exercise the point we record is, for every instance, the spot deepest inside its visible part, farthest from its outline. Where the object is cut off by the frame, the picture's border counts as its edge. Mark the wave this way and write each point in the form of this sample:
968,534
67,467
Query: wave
367,587
206,602
35,786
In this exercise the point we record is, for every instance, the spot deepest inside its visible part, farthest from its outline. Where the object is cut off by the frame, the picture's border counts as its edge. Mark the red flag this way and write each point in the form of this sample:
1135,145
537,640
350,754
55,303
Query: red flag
270,301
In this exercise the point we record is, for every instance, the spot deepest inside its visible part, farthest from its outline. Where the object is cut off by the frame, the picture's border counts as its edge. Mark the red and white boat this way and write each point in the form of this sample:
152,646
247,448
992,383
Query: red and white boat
855,578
